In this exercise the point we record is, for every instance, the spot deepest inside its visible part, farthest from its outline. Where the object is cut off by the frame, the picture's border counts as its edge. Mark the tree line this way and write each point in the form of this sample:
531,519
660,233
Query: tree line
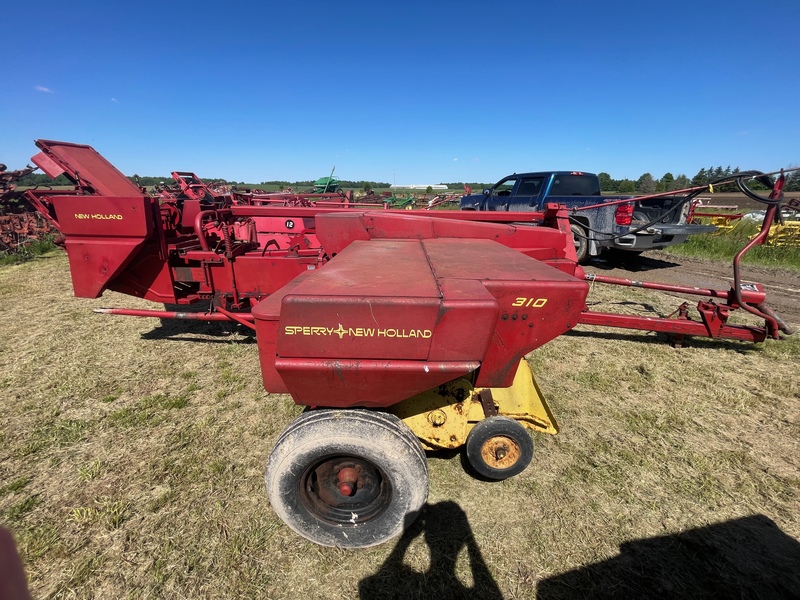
646,184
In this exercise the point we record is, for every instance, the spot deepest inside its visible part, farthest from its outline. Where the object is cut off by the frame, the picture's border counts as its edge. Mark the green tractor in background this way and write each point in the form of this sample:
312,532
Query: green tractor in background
326,185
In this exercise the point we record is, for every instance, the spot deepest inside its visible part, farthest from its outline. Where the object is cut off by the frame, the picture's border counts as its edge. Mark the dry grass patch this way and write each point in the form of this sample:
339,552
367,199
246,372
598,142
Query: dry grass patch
132,453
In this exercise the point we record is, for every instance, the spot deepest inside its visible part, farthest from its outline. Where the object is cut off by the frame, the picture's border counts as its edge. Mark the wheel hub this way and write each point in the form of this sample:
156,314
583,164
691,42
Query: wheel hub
500,452
345,491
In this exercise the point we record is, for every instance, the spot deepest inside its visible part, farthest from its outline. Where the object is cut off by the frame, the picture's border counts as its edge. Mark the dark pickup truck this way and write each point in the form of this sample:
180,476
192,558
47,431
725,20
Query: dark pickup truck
634,226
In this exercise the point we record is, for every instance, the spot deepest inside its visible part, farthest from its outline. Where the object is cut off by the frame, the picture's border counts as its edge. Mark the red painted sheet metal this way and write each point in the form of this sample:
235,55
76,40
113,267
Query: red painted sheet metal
533,312
393,268
483,259
47,164
466,321
372,383
336,230
536,301
110,217
387,319
86,165
103,234
374,327
356,307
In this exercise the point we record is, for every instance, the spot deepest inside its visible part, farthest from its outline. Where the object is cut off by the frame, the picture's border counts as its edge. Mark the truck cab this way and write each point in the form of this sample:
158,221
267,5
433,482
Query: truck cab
527,191
634,226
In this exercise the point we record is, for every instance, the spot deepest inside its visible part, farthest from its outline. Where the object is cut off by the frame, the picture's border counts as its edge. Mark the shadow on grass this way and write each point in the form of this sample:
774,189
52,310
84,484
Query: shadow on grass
744,558
446,531
192,330
630,262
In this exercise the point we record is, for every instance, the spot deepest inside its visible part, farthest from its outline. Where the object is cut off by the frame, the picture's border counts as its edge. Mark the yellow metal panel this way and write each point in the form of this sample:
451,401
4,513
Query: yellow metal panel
524,402
442,418
438,417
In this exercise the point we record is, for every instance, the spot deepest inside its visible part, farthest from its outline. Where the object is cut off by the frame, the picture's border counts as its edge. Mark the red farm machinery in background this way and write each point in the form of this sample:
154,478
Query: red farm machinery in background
399,330
20,224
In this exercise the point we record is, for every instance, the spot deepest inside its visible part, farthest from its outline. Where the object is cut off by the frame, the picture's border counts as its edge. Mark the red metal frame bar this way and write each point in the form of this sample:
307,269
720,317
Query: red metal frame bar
711,326
219,315
769,219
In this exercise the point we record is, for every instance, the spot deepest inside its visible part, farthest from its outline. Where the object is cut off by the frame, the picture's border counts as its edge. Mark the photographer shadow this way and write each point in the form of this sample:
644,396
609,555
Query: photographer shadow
749,557
446,531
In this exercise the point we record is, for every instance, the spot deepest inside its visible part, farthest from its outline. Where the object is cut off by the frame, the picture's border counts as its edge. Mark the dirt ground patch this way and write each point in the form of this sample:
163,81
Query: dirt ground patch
132,454
739,201
782,286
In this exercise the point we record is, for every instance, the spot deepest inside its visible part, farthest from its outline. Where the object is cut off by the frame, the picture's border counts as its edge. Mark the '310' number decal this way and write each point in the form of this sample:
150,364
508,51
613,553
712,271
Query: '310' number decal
530,302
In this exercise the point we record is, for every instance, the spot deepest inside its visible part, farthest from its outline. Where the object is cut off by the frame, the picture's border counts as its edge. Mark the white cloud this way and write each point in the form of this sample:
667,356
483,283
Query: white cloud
455,160
115,100
41,88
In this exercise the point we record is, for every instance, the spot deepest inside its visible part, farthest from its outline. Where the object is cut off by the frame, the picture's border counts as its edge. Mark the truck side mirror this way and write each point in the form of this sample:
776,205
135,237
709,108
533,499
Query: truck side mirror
487,192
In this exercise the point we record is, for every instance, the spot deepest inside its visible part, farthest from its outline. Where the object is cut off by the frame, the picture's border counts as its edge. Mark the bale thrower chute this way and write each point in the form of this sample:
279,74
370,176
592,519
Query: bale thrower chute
400,331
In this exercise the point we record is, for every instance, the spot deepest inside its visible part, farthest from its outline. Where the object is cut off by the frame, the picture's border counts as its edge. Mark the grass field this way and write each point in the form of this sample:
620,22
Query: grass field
132,454
725,244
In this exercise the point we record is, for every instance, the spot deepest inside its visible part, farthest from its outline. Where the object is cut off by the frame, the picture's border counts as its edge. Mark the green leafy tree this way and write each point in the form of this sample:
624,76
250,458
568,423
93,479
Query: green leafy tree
626,186
701,178
646,184
606,183
681,182
667,182
793,182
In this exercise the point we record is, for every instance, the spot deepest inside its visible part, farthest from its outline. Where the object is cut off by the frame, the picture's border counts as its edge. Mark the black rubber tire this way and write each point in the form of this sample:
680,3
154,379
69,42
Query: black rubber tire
300,477
494,434
581,243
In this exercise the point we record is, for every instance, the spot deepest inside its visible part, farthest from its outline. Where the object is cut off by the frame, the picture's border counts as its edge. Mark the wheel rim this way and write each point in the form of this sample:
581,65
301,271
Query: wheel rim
501,452
345,490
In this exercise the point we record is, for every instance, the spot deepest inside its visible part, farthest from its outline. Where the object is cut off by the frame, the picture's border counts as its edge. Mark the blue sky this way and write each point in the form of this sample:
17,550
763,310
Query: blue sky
411,92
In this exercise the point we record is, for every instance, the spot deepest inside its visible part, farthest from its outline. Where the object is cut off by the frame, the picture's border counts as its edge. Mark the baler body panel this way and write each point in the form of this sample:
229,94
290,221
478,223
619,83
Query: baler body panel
103,234
387,319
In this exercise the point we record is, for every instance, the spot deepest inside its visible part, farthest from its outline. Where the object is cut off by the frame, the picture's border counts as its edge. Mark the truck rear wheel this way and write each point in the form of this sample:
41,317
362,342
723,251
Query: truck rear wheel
581,243
347,478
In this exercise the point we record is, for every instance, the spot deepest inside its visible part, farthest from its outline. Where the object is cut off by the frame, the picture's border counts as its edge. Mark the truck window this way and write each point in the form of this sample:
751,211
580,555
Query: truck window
505,187
575,185
530,186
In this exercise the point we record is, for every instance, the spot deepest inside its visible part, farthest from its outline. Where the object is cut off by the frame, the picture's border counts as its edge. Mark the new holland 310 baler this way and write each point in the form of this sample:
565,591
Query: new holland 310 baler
401,331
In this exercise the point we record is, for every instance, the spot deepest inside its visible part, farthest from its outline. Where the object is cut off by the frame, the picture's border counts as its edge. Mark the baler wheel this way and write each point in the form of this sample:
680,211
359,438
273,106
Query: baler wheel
499,448
347,478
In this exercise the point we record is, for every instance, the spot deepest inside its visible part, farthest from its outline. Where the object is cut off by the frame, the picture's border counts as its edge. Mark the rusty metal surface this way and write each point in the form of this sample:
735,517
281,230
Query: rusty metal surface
443,417
19,229
487,402
20,223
